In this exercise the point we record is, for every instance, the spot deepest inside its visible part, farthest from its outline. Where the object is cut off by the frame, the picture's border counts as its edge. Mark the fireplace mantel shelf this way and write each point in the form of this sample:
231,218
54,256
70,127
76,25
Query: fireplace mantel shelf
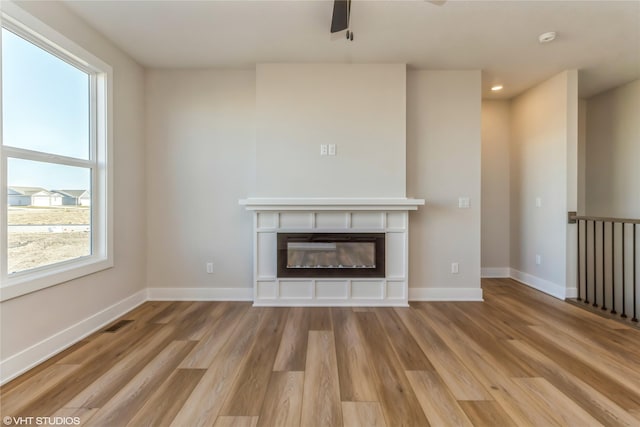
331,204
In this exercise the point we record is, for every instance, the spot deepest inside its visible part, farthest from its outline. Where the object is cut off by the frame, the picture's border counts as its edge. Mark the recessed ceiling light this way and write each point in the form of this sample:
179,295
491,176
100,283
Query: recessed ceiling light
547,37
496,88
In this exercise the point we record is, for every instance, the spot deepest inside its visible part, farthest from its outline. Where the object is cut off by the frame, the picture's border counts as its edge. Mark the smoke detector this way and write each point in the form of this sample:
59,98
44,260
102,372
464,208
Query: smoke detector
547,37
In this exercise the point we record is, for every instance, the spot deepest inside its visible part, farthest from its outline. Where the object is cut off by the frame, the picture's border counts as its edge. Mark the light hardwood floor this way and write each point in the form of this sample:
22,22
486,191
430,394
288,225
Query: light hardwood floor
520,358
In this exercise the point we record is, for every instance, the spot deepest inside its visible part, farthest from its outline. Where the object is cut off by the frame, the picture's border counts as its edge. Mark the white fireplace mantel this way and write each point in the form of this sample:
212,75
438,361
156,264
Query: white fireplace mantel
331,204
282,215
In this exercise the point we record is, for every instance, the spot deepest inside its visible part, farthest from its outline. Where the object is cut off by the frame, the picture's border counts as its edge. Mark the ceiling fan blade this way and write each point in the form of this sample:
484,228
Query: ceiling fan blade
341,12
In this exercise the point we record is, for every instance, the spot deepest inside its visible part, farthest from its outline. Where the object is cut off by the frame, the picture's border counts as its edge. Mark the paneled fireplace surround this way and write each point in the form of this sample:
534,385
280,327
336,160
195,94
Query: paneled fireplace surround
314,226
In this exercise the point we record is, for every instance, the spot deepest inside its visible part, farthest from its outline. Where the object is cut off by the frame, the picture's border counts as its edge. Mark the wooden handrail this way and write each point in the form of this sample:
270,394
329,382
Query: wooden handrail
604,219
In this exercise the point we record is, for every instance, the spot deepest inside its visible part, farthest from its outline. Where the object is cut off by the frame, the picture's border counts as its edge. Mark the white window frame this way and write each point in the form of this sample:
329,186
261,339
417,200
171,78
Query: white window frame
35,31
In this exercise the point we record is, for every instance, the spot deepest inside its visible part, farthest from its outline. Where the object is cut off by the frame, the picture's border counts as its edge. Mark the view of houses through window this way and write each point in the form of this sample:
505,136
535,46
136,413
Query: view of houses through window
47,225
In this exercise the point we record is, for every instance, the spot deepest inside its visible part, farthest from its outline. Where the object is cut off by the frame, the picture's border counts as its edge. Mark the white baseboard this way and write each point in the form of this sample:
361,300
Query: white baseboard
571,293
542,285
21,362
445,294
200,294
495,272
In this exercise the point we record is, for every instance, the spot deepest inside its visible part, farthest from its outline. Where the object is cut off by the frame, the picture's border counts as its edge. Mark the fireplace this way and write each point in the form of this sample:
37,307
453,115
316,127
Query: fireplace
331,255
331,252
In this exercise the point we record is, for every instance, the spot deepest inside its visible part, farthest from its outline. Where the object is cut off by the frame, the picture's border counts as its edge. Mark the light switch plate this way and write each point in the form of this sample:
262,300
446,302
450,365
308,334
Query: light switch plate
463,202
332,149
323,149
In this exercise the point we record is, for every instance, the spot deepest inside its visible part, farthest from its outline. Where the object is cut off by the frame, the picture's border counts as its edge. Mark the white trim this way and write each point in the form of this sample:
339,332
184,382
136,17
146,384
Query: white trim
39,156
390,290
331,204
495,272
445,294
571,293
200,294
26,359
540,284
51,275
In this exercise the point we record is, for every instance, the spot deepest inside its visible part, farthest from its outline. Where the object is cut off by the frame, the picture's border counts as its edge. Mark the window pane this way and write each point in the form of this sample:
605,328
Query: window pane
45,100
48,214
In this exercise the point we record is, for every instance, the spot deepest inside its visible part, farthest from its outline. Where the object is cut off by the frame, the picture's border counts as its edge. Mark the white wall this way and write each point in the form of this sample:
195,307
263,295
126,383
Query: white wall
44,316
358,107
201,147
495,187
201,161
443,163
582,156
613,152
544,137
573,182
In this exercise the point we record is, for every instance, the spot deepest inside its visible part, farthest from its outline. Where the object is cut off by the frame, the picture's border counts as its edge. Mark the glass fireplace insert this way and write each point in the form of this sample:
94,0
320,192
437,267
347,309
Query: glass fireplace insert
331,255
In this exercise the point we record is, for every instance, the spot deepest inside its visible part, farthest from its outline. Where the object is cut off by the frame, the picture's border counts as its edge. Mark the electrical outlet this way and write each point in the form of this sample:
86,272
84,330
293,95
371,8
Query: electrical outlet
209,268
332,149
454,268
463,202
323,150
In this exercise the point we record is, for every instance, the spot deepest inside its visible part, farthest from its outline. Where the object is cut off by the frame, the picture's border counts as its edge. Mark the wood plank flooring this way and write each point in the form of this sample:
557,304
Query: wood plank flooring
519,358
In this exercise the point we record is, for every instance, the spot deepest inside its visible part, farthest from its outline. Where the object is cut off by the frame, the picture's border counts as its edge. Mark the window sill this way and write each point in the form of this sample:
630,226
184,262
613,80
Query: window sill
23,283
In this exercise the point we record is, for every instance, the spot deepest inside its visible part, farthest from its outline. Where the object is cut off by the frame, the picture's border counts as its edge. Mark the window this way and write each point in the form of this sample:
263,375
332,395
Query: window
54,158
